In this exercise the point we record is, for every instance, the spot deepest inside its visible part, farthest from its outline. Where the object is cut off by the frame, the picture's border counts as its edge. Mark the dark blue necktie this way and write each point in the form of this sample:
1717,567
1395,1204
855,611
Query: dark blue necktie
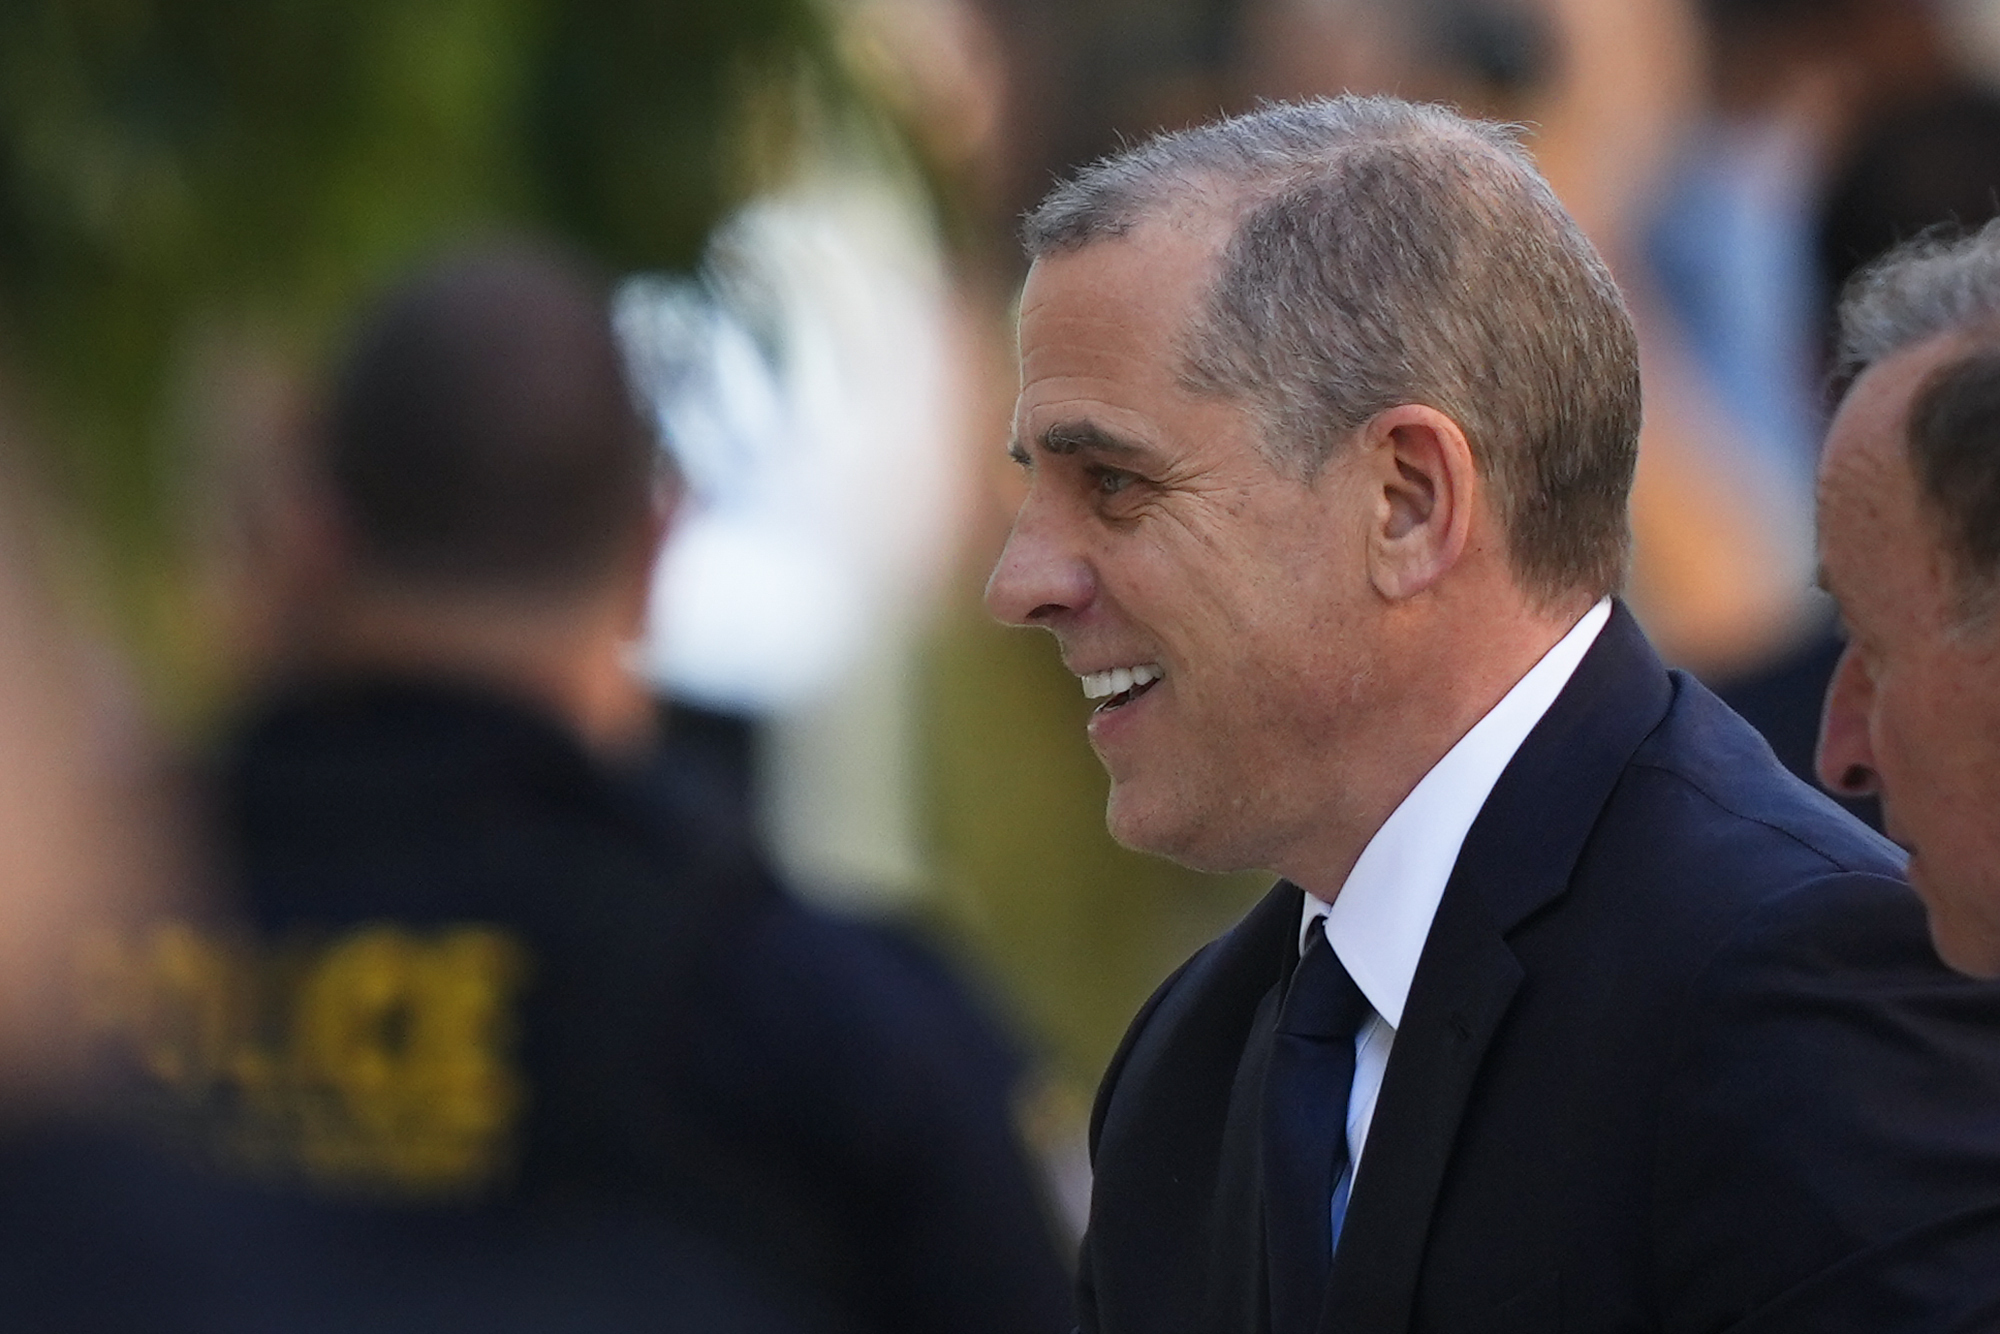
1305,1130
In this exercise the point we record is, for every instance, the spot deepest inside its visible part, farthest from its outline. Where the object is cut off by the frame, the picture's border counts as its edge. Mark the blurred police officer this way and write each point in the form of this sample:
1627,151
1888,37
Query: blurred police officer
563,1055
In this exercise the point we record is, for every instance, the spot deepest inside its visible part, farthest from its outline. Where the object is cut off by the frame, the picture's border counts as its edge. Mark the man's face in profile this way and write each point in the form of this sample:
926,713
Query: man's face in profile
1214,605
1913,712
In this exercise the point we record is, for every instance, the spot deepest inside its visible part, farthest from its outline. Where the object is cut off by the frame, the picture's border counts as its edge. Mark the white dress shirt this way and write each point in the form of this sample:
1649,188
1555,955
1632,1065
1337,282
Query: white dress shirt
1379,921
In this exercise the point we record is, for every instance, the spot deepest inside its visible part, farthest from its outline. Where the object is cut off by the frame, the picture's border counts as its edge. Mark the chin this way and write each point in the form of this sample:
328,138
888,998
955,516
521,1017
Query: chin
1179,835
1965,949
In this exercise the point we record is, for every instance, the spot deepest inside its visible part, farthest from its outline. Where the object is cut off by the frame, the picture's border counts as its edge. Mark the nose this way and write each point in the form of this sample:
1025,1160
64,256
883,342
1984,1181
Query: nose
1040,576
1846,758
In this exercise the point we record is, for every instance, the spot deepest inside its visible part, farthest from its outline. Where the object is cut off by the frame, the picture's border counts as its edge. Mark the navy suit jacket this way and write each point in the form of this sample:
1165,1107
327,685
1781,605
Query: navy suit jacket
1678,1056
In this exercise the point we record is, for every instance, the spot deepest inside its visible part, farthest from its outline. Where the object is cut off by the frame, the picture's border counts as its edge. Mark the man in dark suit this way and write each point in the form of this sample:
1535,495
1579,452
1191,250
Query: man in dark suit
1572,1010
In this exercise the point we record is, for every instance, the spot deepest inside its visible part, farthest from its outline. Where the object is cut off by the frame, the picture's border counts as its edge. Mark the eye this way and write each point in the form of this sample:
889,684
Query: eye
1109,481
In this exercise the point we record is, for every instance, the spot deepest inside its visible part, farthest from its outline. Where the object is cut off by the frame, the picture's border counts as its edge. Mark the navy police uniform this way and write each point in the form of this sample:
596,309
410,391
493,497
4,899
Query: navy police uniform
505,1015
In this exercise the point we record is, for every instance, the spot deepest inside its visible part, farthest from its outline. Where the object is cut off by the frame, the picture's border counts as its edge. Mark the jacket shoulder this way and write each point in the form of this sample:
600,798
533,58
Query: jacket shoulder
1731,776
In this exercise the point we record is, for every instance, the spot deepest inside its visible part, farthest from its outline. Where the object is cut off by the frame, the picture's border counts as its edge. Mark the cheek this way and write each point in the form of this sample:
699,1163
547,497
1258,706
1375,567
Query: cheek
1216,616
1938,744
1904,736
1894,729
1974,731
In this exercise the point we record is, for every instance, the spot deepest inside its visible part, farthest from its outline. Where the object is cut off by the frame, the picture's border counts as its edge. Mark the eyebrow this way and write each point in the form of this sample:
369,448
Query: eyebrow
1081,437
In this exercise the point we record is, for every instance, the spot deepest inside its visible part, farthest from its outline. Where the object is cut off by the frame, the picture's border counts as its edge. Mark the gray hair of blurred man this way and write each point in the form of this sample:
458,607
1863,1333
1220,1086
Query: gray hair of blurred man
1386,252
1936,285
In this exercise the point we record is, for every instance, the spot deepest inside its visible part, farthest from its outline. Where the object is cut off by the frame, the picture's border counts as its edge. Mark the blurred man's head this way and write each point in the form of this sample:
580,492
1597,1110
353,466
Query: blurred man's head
486,477
1910,548
482,436
1308,398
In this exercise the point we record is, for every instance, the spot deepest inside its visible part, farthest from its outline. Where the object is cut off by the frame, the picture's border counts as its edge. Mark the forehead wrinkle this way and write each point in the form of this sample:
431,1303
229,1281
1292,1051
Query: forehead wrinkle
1102,310
1107,347
1845,517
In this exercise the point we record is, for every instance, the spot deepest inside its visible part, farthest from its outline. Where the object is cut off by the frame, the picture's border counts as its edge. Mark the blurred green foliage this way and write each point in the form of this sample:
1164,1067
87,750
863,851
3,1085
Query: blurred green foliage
171,165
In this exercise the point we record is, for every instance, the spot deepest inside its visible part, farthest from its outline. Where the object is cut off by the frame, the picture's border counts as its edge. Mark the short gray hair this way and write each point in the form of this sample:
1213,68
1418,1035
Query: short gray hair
1943,283
1387,252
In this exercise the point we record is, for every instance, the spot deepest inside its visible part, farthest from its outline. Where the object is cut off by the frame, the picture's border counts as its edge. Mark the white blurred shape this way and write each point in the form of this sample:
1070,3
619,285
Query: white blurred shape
805,387
754,616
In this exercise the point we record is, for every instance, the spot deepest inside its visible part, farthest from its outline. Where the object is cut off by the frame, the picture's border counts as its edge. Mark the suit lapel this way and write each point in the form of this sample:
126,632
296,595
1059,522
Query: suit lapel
1448,1023
1516,860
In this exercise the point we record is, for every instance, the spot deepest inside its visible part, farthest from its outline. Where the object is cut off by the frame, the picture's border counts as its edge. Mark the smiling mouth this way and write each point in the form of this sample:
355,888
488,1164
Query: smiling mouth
1121,685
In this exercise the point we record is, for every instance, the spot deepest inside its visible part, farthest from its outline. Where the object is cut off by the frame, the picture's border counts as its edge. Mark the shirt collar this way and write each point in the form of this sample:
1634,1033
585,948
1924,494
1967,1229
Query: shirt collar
1380,919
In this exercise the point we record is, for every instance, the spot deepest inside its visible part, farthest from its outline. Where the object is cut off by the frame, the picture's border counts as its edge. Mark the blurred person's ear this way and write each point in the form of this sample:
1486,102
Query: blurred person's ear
636,577
615,700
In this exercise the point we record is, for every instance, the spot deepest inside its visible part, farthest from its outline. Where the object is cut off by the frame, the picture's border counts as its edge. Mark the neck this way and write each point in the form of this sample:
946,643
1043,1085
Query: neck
567,659
1444,669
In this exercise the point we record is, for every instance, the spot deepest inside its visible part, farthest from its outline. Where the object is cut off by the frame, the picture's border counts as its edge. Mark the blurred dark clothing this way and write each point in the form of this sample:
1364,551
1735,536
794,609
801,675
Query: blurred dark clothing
688,1049
101,1233
709,769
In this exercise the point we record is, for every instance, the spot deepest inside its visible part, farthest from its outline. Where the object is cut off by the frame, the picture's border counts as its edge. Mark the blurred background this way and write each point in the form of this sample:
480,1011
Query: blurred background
812,203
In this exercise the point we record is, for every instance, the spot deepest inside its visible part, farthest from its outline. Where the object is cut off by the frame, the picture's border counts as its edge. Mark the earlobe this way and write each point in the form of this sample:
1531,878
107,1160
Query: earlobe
1423,466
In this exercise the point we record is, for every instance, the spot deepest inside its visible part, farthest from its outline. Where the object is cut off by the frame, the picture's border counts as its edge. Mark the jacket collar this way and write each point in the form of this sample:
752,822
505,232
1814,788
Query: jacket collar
1380,920
1517,859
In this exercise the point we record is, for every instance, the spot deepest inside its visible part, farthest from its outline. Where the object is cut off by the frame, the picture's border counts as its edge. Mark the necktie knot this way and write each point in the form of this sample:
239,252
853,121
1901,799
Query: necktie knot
1322,1002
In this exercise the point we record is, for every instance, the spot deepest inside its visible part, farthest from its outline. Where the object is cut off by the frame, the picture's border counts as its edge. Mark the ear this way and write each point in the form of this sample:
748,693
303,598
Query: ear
1425,485
636,583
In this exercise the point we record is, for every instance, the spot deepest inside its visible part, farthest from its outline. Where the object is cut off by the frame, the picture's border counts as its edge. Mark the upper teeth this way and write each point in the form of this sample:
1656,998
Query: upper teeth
1097,685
